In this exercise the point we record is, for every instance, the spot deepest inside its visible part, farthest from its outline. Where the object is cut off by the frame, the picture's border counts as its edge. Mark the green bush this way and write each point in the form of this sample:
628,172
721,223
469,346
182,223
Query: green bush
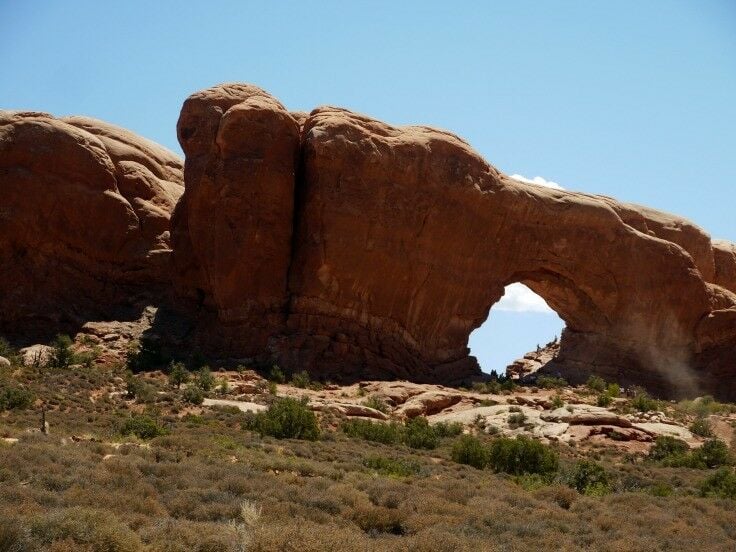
145,355
557,401
287,418
676,453
550,382
377,432
589,478
392,467
178,374
702,427
604,399
61,352
613,390
521,456
376,403
143,427
516,420
87,528
6,350
471,451
448,429
300,379
420,435
193,395
721,484
596,384
137,389
14,398
13,535
204,379
276,375
712,454
643,402
666,448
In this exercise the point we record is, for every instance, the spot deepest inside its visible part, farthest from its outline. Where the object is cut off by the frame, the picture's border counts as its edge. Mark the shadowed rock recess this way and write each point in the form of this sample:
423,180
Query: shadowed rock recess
336,243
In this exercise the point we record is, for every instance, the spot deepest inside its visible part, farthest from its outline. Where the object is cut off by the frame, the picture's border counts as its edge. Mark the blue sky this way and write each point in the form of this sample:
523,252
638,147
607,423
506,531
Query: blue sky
631,99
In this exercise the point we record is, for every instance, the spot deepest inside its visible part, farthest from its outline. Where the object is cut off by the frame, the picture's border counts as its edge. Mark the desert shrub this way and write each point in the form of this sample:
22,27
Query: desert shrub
193,395
376,520
589,478
660,489
643,402
485,388
721,484
702,427
137,389
276,375
178,374
287,418
378,432
521,456
712,454
419,434
613,390
94,530
666,448
13,397
448,429
676,453
142,426
300,379
470,451
144,355
516,420
596,384
550,382
392,467
61,352
204,379
376,403
557,401
6,350
13,536
604,399
704,406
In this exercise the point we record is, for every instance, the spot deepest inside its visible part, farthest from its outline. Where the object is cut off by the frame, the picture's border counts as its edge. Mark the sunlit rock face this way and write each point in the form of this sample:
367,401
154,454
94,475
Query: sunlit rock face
339,244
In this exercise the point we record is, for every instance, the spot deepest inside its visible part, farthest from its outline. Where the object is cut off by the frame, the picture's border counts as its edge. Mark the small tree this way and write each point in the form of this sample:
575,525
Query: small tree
287,419
204,379
61,354
178,374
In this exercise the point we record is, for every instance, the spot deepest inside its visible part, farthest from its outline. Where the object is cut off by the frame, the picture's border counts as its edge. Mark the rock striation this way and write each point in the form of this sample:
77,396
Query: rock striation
339,244
84,218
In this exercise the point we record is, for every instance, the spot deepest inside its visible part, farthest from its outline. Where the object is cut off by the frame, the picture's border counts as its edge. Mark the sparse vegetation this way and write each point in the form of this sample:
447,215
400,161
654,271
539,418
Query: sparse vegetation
702,427
596,384
62,355
14,397
550,382
391,466
204,379
193,395
376,403
589,478
721,484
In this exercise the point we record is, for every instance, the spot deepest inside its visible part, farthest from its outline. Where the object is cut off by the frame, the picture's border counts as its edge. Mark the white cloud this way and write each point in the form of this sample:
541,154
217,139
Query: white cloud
519,298
538,180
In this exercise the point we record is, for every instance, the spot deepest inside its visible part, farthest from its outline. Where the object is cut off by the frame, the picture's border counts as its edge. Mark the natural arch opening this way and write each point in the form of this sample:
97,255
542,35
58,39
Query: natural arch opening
516,325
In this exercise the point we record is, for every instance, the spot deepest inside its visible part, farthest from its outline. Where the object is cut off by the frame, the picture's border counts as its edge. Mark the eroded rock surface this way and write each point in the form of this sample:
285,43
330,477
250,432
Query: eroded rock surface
83,218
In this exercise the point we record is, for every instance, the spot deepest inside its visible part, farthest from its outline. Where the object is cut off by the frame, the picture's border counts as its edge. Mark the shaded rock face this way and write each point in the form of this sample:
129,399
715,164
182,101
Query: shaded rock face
84,219
335,243
232,231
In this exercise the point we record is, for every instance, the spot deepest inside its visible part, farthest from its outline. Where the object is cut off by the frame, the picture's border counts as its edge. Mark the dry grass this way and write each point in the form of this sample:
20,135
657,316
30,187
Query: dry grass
211,485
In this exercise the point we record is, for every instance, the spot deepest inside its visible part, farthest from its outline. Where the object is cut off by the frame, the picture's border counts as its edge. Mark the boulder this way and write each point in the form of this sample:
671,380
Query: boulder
583,414
428,403
4,362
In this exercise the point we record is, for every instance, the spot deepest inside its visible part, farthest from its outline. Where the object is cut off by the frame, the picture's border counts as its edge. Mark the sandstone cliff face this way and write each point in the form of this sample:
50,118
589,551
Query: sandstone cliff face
83,219
339,244
405,237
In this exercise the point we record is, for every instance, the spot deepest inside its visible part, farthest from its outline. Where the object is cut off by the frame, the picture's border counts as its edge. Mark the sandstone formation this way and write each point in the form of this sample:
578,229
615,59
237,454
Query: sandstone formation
339,244
83,219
